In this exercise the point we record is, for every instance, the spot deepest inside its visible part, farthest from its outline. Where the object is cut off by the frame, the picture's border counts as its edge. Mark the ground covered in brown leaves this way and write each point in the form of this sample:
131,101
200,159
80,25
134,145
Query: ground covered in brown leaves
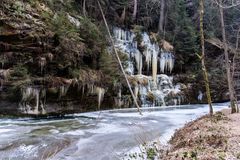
207,138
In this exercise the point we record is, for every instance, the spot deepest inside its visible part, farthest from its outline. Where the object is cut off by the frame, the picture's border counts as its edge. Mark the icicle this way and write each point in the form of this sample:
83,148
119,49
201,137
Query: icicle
4,75
162,62
130,68
148,56
89,88
175,102
154,65
166,62
143,92
122,33
138,59
125,36
50,57
100,93
118,100
92,89
28,94
161,86
163,101
36,110
28,109
119,34
120,93
63,90
83,90
200,96
171,63
42,62
43,102
43,110
179,100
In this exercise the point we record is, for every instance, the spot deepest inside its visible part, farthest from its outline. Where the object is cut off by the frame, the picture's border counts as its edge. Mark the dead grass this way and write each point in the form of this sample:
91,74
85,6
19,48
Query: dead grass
207,138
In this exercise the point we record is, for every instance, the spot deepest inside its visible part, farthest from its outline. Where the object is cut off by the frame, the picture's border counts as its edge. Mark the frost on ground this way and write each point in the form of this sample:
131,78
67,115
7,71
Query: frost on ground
146,151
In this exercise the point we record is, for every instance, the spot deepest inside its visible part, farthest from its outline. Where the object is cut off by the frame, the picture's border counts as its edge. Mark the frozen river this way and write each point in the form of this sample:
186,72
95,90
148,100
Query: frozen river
105,135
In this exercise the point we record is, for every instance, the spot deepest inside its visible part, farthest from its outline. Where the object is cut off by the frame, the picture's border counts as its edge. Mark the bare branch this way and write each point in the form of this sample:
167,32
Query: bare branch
231,4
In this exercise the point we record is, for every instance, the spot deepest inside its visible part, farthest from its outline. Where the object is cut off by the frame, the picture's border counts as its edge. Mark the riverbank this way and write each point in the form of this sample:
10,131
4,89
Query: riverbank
216,138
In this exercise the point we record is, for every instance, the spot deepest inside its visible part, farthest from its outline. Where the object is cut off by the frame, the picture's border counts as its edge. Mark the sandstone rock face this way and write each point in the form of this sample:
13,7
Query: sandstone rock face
54,61
44,65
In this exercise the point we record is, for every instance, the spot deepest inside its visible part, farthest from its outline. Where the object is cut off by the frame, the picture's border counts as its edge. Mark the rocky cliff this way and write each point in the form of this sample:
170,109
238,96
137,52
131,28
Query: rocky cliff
54,60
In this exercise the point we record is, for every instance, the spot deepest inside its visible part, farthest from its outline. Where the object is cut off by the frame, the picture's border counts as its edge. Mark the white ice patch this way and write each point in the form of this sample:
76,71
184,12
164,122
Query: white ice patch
107,128
54,131
5,130
166,62
29,150
75,133
200,96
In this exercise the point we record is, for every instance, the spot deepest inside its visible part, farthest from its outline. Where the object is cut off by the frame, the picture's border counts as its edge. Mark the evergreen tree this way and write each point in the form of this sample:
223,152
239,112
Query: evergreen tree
181,31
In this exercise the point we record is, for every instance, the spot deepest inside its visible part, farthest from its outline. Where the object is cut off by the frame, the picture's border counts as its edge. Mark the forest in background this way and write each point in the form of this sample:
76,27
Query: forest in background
42,47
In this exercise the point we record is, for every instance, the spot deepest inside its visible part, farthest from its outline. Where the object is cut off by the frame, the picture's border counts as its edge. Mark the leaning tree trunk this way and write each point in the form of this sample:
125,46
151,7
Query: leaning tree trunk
161,17
227,63
118,59
202,57
135,10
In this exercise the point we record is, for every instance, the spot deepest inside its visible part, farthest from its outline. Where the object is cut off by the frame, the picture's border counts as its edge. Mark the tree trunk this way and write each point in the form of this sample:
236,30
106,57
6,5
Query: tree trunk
135,10
228,66
84,8
236,55
123,16
161,17
202,57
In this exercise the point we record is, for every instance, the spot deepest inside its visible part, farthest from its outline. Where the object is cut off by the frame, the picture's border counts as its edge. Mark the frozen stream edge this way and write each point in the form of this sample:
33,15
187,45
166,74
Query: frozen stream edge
163,139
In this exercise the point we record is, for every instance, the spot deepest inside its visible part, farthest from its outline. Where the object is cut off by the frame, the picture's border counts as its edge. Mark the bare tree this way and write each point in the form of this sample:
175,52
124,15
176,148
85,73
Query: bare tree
202,58
84,8
135,10
234,68
227,61
161,16
230,3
